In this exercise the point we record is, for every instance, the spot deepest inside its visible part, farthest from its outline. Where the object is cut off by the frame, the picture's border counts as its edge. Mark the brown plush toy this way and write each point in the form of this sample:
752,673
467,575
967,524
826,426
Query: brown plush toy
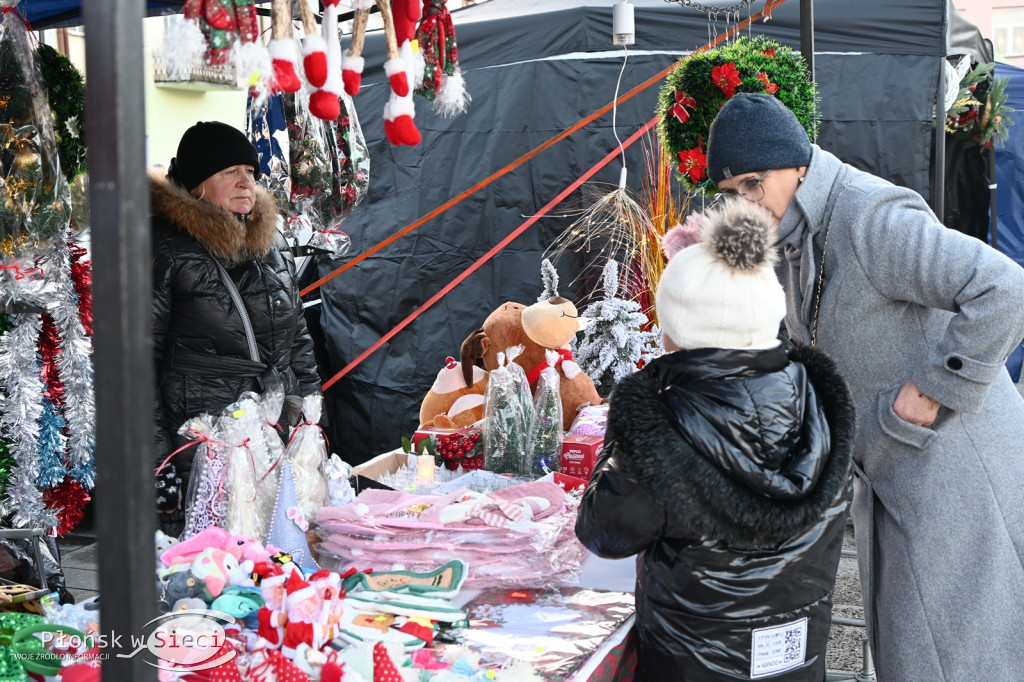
552,325
453,401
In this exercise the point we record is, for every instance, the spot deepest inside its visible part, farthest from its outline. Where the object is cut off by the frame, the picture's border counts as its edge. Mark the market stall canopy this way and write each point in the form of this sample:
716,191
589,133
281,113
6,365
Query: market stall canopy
534,68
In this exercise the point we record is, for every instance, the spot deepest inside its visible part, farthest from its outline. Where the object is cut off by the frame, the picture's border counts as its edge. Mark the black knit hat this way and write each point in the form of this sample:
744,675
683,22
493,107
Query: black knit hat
755,132
209,147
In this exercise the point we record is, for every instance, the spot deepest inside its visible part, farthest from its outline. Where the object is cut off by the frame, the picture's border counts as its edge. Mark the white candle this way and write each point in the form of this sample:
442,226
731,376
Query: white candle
425,470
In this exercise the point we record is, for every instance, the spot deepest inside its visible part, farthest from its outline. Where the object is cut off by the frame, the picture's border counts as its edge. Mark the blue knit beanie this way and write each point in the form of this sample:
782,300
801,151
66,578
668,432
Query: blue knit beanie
755,132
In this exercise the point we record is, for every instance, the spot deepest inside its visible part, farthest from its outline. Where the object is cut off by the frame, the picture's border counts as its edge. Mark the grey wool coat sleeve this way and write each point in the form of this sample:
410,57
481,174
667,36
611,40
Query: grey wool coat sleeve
941,268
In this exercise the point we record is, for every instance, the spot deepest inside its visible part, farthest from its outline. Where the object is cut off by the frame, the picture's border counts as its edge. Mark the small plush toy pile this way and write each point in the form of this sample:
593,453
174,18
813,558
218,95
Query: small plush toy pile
549,324
249,612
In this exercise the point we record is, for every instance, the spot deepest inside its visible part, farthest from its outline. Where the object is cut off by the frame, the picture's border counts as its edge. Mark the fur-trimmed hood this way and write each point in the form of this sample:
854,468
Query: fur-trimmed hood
738,455
219,230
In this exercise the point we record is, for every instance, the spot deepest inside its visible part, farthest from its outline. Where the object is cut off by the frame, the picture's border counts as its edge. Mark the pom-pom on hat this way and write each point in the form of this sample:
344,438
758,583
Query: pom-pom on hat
755,132
209,147
723,292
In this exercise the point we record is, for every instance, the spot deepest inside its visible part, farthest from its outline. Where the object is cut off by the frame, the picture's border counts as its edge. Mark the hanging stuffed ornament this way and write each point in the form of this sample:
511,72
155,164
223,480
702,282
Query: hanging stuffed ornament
442,80
325,102
399,17
314,47
227,21
284,56
400,110
227,30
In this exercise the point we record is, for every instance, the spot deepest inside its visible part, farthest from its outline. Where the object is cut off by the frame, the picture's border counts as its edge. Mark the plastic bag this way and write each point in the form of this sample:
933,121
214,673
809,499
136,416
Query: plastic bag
307,453
545,442
504,422
270,404
36,202
251,481
265,126
329,167
207,503
339,490
19,564
520,384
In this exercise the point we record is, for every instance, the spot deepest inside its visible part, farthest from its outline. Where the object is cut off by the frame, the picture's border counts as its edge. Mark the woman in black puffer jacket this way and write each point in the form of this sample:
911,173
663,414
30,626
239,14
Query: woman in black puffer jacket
726,469
211,220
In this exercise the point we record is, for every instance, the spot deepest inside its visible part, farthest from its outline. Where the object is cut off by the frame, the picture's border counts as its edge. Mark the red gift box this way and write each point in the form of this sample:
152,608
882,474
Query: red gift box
442,437
579,453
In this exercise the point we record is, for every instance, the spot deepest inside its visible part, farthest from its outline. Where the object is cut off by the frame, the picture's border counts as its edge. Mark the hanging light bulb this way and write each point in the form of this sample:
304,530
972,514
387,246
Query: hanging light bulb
622,24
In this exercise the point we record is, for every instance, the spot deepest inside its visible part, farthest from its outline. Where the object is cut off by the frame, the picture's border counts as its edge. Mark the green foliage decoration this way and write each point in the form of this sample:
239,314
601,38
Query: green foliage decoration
702,83
66,92
980,112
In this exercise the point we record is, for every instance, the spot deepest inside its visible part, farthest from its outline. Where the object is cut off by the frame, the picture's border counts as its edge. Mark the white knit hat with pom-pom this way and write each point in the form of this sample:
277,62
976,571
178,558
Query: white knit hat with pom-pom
723,292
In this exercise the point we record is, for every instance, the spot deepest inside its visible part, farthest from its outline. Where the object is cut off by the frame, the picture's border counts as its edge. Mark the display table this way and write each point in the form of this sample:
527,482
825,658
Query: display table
572,633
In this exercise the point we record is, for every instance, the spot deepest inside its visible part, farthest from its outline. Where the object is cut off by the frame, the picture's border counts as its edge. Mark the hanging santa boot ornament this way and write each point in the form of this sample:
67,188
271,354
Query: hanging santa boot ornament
353,62
399,126
395,67
325,103
400,110
283,54
314,47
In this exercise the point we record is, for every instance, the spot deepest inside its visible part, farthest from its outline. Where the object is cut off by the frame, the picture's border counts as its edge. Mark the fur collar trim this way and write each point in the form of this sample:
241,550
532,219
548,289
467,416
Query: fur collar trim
702,496
217,229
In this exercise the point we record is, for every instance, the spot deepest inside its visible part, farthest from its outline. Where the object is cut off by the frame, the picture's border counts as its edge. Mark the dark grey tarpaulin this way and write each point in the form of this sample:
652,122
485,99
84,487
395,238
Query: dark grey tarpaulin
534,68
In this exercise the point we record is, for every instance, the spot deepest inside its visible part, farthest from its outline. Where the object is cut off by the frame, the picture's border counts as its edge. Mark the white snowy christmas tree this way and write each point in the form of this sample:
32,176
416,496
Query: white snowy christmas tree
613,343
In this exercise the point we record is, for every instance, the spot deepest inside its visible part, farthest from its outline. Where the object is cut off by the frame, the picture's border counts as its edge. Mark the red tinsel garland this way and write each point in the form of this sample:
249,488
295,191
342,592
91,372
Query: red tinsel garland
48,349
81,276
68,499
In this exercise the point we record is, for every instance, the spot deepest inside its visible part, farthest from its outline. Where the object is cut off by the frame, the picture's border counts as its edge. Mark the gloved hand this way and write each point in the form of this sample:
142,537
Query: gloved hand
292,414
168,489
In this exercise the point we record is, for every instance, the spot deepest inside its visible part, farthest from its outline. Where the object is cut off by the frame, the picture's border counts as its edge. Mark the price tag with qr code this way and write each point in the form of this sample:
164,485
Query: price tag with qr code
778,648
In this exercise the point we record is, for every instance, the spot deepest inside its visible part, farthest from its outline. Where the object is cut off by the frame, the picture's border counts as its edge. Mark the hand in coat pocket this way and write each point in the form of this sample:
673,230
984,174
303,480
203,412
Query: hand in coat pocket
914,406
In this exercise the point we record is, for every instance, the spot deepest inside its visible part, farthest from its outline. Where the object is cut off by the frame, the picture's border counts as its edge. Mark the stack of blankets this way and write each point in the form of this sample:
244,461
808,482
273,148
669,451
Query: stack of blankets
520,535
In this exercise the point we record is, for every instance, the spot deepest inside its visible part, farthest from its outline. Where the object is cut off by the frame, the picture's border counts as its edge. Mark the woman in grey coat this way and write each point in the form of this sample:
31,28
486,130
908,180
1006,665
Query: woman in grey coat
920,320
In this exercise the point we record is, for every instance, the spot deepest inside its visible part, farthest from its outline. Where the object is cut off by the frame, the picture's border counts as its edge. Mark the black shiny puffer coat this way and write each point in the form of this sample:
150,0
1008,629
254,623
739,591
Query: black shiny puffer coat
203,363
728,473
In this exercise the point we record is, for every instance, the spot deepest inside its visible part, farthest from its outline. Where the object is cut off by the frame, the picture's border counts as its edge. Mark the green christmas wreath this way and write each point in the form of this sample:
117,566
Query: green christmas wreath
701,84
65,89
979,111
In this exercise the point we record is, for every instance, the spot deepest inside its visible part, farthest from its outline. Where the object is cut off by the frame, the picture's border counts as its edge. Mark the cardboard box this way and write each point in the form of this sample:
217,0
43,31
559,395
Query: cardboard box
387,463
579,453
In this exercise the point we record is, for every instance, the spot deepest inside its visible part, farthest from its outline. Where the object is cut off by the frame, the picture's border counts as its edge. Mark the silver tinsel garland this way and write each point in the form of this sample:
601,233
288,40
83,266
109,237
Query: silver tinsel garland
20,409
74,364
41,278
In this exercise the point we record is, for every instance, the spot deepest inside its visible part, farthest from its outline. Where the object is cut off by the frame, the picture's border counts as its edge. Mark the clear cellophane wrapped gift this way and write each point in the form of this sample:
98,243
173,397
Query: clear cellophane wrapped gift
307,452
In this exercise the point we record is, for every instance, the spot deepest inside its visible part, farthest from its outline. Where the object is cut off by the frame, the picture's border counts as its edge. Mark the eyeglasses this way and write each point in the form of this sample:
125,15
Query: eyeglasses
750,189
